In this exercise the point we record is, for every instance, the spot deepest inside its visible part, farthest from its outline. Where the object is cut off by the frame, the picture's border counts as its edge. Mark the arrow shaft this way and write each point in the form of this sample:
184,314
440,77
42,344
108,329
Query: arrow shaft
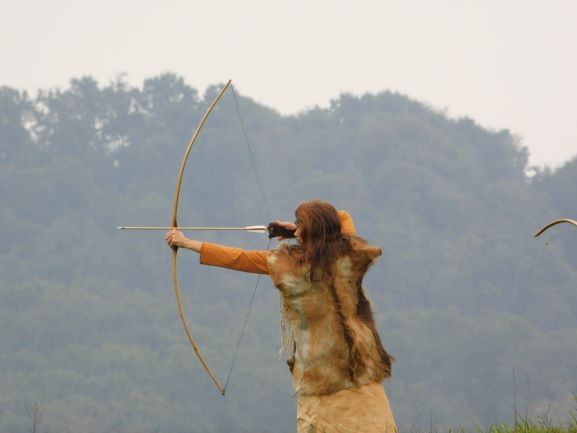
256,229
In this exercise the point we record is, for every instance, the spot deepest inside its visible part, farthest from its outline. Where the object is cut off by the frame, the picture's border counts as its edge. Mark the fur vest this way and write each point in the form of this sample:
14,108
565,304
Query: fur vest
328,326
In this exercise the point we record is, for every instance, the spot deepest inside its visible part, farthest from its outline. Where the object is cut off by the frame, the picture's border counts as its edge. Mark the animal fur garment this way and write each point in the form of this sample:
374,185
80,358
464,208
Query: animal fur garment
330,333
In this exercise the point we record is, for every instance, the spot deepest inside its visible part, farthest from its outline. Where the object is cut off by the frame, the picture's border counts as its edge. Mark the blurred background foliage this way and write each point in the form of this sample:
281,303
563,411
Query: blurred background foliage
479,315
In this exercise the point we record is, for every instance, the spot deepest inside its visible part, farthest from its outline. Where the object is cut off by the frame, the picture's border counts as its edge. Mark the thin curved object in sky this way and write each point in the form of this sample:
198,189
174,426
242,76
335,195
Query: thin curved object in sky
554,223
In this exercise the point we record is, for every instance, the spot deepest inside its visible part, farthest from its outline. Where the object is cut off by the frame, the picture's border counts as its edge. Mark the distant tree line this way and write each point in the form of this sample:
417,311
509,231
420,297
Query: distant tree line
464,295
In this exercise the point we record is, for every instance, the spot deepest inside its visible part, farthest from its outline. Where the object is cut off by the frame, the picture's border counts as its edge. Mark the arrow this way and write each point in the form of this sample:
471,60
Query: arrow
250,229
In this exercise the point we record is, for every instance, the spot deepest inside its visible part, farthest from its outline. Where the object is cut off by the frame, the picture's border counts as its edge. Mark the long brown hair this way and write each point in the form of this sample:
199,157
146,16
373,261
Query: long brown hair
321,240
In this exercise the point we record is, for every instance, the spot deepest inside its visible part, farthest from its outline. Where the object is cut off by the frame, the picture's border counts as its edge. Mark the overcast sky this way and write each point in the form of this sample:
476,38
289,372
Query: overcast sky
506,63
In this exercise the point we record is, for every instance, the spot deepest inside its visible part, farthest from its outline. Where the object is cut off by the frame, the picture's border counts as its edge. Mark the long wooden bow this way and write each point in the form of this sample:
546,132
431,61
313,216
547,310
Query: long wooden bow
174,224
554,223
557,255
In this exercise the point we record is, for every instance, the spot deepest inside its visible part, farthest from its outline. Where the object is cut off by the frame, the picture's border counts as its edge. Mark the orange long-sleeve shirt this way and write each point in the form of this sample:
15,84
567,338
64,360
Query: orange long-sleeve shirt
253,261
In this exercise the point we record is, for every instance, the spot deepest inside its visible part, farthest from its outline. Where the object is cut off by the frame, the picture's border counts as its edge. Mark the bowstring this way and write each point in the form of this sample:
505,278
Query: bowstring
238,343
268,214
560,259
252,158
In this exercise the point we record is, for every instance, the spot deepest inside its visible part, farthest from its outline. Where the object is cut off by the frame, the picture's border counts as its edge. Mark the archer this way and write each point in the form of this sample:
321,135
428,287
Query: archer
335,355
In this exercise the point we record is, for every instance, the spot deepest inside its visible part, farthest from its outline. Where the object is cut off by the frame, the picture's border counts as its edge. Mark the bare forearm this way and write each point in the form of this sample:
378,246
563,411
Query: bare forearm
176,239
193,245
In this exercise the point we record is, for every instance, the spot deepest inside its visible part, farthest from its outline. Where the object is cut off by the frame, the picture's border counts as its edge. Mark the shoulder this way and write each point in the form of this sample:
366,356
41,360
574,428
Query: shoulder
285,267
363,254
284,254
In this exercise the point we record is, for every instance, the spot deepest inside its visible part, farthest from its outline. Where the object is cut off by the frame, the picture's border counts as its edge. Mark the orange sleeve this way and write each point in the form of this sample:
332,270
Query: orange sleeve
347,224
253,261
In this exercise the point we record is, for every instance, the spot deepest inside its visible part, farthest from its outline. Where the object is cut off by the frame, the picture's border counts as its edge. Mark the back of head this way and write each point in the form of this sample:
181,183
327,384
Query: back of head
321,240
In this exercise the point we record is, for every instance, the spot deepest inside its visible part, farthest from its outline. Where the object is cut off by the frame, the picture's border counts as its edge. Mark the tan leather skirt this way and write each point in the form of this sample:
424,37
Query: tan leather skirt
357,410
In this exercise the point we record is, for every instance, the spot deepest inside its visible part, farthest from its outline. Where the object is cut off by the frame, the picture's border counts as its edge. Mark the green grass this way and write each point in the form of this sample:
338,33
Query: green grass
542,424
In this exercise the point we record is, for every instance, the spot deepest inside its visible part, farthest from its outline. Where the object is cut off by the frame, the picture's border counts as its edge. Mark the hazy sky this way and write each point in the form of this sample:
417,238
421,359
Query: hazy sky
507,63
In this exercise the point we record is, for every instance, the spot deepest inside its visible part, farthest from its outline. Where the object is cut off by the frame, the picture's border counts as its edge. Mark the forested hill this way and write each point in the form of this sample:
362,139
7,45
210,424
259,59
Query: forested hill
477,312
